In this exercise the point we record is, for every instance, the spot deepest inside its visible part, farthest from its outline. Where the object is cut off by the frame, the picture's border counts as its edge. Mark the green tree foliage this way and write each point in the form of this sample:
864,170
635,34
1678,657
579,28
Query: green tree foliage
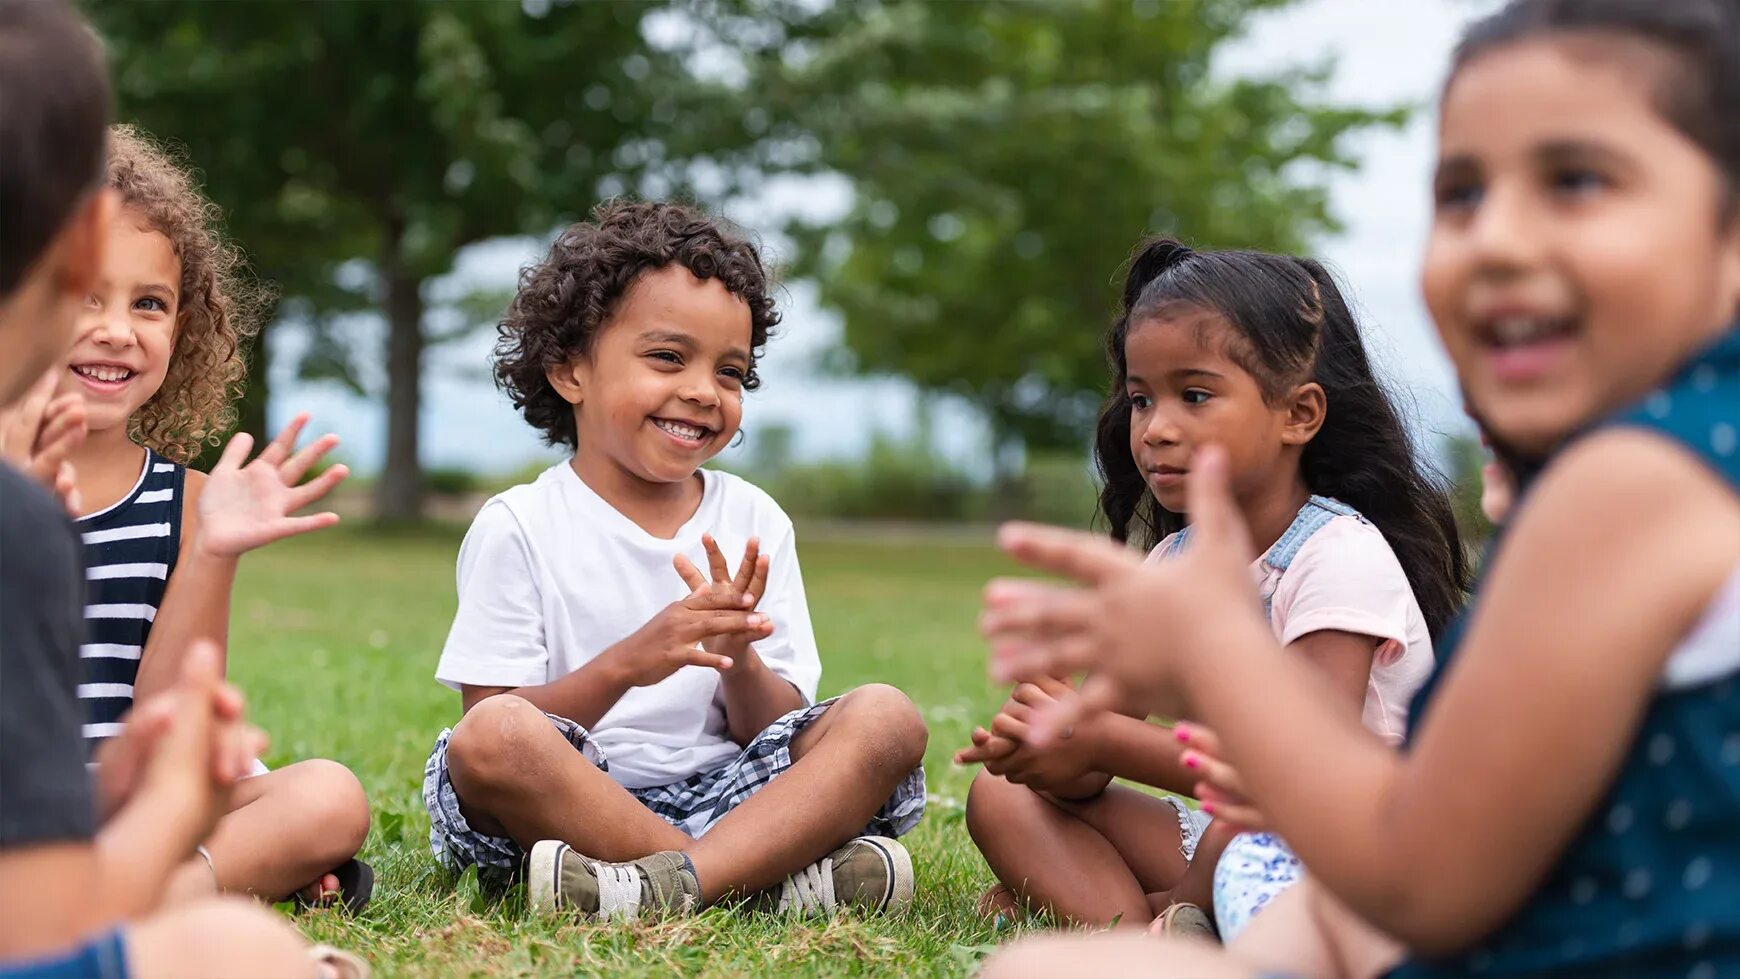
1007,155
357,147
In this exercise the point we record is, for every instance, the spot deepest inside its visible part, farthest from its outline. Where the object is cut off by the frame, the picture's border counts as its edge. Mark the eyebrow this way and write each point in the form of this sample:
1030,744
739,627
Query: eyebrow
1568,150
1133,377
687,342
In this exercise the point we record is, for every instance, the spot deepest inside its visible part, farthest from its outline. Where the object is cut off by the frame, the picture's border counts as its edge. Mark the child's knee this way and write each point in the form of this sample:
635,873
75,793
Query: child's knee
337,807
490,744
988,805
887,718
218,937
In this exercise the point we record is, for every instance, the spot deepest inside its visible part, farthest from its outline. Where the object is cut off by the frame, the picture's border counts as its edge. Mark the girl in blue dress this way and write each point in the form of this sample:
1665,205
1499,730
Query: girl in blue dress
1569,800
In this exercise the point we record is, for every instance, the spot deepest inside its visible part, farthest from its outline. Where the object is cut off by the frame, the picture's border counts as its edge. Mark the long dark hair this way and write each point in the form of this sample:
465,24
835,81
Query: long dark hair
1293,327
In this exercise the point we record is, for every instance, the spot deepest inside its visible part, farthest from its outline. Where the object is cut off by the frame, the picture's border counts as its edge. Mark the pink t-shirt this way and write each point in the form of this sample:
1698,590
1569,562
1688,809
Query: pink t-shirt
1346,578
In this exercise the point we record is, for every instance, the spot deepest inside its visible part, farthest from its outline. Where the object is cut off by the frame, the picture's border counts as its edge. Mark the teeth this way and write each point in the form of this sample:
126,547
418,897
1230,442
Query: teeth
103,372
1512,330
681,430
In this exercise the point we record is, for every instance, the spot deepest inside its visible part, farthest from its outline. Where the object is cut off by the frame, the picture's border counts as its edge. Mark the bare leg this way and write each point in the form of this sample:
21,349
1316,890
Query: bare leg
287,828
516,776
845,765
1305,929
1197,885
1087,862
1124,954
216,939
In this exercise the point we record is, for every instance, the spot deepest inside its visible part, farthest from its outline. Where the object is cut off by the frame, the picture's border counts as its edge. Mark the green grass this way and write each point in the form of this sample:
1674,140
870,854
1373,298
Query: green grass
335,639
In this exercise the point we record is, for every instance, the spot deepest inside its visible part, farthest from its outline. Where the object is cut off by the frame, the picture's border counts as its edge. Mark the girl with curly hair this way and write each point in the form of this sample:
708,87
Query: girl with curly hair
158,364
640,735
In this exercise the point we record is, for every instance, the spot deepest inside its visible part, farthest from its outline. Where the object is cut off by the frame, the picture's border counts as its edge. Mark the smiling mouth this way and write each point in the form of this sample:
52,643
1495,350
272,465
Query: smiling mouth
103,373
1520,330
683,431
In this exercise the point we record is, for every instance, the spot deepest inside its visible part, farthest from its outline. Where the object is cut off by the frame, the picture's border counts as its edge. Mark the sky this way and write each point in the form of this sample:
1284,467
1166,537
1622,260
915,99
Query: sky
1385,51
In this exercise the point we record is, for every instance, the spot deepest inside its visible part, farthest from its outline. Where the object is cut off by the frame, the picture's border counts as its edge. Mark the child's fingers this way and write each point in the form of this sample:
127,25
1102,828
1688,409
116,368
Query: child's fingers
746,570
1056,611
1070,553
1236,812
1197,736
696,656
1008,727
279,450
291,526
294,468
728,622
1213,771
1030,693
757,585
235,452
1019,658
716,566
1050,723
314,489
1216,525
691,575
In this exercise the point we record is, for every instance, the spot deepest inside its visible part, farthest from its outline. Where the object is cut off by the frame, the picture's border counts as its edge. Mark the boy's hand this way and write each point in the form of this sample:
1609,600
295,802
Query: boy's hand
1064,767
678,636
727,591
249,504
39,434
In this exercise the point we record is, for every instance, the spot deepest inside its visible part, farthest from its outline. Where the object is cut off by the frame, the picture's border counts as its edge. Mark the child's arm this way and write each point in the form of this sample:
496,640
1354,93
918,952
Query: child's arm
1122,744
234,510
1611,561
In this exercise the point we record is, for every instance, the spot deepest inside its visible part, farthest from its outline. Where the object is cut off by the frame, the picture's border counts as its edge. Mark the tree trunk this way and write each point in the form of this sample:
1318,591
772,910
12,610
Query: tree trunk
399,496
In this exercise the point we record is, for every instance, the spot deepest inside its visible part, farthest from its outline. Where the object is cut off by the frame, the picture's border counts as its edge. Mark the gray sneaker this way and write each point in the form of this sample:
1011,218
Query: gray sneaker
872,874
560,878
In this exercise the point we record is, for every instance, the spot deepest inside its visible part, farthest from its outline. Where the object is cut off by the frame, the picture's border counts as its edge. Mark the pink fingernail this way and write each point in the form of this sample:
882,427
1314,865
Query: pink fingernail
1208,807
1191,761
1182,734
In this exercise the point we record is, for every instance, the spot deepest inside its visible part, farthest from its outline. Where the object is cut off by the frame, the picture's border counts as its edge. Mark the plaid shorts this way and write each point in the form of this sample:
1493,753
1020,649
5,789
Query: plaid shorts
692,805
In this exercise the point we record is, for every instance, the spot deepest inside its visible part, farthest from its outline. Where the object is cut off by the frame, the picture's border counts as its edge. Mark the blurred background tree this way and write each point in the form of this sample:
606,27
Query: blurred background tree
1002,157
356,148
1005,157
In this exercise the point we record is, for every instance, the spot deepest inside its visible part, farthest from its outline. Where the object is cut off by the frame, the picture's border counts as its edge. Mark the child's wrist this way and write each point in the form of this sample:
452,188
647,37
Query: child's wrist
200,547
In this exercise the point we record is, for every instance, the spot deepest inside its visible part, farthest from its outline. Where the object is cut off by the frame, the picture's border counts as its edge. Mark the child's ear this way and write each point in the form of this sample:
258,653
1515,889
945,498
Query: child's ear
568,378
1306,409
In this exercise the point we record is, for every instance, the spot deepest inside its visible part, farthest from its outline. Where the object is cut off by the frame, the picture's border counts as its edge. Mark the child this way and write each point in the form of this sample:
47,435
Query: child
79,899
649,733
1359,567
1569,803
157,362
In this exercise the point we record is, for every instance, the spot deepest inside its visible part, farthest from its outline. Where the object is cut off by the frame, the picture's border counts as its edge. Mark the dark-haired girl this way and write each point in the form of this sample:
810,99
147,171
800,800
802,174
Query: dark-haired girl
1568,803
1358,567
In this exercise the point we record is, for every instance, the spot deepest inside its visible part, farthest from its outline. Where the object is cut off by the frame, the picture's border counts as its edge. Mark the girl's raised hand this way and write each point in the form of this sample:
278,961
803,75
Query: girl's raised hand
40,432
248,504
1132,625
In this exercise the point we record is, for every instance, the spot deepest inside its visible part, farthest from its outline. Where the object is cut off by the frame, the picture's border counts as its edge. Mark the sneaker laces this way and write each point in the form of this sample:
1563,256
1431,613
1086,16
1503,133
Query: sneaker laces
618,890
810,889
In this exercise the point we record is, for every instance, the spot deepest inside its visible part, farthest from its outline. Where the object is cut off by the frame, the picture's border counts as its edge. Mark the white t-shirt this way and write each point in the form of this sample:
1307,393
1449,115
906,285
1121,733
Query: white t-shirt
1346,578
550,575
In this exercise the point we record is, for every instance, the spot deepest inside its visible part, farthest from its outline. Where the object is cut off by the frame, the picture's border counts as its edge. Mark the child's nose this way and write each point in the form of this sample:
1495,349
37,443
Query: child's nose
113,328
1504,234
1161,430
700,392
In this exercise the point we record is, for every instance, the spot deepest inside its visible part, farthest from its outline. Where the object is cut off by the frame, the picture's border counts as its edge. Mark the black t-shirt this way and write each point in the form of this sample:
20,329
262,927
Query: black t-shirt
45,792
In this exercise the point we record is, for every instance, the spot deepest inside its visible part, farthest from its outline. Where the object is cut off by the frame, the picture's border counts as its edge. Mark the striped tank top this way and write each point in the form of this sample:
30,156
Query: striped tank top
129,552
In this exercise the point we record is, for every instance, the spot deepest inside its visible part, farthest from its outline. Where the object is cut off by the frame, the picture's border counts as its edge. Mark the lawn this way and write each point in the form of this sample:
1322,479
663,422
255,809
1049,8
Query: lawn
335,639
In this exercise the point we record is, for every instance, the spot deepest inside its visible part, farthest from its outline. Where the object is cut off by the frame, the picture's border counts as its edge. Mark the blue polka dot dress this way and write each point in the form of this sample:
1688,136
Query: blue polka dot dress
1650,885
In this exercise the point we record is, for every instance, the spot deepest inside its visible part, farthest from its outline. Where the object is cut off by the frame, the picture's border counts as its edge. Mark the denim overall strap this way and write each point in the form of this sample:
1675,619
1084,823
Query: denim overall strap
1313,516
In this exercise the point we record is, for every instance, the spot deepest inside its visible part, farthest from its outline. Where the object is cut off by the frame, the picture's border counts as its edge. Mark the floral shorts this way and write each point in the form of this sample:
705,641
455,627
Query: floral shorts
692,805
1252,870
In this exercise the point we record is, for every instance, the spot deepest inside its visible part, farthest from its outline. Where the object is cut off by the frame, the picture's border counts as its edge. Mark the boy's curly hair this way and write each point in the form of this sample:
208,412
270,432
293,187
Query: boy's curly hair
564,300
217,306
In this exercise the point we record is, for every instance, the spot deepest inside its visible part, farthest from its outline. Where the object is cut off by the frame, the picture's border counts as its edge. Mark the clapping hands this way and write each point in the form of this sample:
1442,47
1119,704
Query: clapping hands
1132,627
